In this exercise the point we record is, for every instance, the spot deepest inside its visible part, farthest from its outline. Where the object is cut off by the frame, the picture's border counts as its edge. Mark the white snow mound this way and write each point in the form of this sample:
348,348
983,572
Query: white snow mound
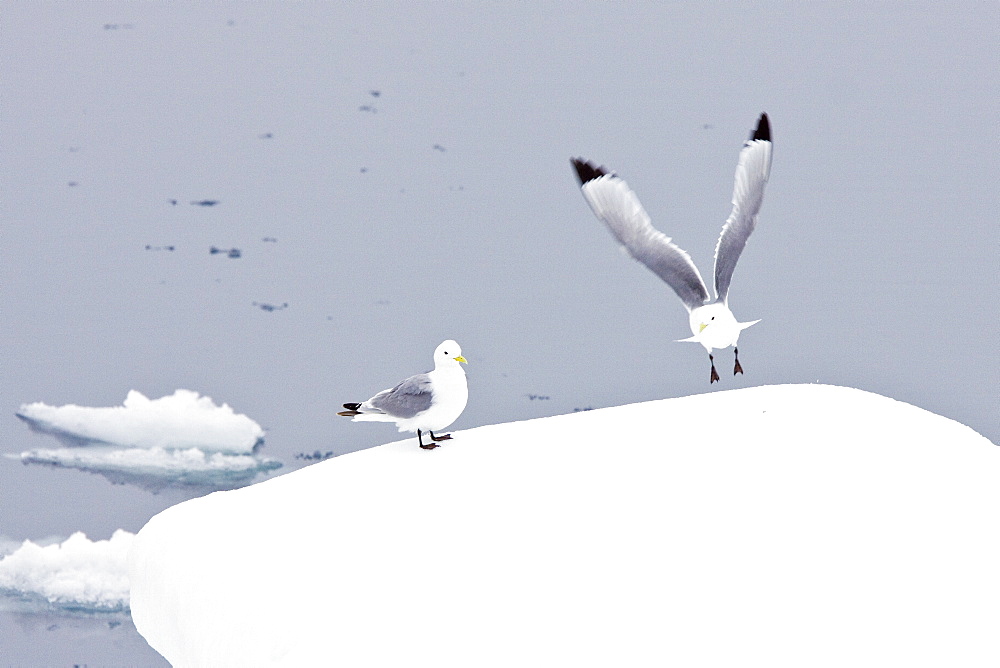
181,420
796,525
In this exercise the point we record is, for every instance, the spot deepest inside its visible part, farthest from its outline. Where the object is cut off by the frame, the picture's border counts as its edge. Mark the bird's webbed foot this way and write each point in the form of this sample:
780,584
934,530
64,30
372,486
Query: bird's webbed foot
426,446
715,374
444,437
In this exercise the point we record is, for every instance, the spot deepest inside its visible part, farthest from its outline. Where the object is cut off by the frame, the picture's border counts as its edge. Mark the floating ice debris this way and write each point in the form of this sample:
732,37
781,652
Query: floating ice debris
229,252
205,202
266,135
269,240
316,456
160,248
438,147
375,93
270,307
178,421
368,107
75,576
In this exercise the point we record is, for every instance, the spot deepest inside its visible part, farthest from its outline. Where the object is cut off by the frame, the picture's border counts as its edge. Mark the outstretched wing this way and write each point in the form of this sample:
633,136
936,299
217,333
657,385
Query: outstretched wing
748,193
409,398
617,206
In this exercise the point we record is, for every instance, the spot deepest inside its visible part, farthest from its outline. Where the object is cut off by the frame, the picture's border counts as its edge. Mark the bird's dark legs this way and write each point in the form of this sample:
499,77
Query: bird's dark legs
420,440
715,374
434,440
737,369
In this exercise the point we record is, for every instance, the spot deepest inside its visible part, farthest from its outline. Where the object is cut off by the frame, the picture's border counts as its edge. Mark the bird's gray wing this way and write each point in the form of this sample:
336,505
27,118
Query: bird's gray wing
617,206
751,175
409,398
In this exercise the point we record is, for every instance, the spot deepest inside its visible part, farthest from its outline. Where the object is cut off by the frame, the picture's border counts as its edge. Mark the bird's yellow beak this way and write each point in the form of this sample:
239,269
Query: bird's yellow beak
461,359
702,326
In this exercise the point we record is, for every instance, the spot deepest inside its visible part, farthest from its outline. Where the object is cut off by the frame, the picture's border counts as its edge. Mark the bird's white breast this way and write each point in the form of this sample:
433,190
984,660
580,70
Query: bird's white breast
720,327
451,394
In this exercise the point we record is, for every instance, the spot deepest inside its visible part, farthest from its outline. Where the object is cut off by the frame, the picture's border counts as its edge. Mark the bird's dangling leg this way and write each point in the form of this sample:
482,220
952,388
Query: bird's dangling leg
737,369
715,374
420,440
446,437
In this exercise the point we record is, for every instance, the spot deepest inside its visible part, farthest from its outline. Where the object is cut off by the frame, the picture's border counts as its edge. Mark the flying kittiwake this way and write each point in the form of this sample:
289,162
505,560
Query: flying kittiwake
426,402
713,325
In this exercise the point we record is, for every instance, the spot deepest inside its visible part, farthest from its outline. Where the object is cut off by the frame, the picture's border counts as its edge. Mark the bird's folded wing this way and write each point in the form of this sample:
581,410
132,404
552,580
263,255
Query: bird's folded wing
752,172
409,398
614,204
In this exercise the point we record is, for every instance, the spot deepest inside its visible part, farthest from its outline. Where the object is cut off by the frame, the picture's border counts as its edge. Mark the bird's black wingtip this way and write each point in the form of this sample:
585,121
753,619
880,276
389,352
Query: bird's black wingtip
763,131
586,171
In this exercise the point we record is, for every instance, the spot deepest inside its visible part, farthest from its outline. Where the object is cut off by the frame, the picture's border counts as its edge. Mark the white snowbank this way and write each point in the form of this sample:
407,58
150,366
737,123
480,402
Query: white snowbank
800,525
178,421
76,575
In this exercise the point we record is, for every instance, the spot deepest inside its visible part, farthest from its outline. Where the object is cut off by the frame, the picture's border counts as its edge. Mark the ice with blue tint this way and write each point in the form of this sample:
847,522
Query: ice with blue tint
156,468
75,576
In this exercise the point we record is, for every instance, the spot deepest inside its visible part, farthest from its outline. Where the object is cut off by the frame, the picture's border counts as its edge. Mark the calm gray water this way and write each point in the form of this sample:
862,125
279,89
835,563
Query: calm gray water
398,174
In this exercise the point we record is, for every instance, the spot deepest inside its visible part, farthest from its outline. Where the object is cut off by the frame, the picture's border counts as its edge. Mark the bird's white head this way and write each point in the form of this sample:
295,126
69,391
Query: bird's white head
449,353
709,317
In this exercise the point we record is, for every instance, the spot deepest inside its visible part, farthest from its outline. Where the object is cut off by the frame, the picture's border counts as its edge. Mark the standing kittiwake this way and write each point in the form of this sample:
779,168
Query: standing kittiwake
426,402
712,323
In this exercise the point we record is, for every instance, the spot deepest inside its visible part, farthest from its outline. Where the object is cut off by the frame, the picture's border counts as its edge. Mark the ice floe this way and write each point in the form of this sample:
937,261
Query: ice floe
75,576
182,439
770,526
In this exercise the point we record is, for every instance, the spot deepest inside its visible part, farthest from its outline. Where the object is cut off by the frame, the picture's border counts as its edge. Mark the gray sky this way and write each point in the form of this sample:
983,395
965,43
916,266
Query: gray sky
444,206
